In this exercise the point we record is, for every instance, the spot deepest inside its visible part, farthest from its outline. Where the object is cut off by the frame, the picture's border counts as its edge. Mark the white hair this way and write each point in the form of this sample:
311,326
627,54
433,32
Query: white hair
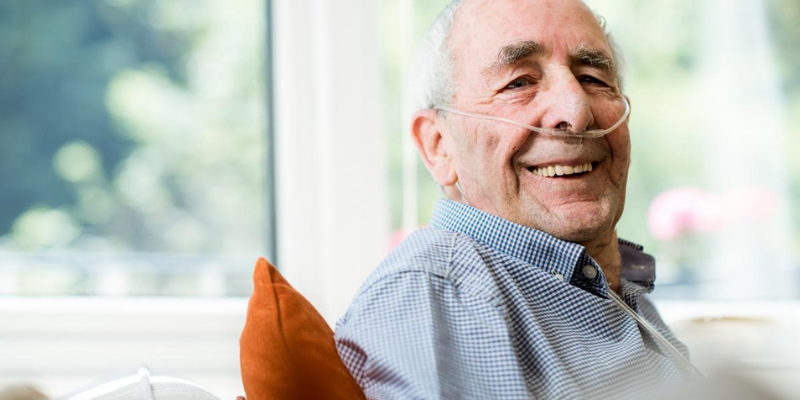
431,82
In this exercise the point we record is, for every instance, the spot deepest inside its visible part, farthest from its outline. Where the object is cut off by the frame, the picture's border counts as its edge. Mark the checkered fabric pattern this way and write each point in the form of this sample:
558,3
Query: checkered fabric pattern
477,307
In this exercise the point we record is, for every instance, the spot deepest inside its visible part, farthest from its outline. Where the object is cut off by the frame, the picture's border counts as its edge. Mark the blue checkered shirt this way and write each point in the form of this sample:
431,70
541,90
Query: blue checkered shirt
477,307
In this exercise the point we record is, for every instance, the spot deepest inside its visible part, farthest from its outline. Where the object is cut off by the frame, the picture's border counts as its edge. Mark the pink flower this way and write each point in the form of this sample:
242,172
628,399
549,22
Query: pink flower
686,210
681,210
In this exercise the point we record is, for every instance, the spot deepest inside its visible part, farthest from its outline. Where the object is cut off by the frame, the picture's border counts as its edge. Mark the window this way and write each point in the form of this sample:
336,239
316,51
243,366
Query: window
133,151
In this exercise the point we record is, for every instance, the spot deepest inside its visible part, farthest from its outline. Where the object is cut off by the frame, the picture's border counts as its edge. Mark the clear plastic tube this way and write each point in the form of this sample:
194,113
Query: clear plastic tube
685,365
554,132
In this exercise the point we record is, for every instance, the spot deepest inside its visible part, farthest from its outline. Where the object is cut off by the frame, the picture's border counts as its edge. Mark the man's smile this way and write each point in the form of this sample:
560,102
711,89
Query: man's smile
560,170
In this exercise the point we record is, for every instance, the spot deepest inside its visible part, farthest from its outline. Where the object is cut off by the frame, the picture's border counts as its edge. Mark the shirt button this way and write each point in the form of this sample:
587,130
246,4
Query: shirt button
589,271
559,277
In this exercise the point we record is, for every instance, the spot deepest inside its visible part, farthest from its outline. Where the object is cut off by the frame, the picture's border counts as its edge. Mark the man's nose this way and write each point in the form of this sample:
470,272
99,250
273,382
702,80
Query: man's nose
568,106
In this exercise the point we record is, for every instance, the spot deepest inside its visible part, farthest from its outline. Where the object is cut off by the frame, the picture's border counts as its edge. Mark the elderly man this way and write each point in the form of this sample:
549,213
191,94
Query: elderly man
520,287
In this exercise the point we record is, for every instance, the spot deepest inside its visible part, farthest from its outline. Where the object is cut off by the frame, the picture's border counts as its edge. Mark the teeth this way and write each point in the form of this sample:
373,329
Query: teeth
561,170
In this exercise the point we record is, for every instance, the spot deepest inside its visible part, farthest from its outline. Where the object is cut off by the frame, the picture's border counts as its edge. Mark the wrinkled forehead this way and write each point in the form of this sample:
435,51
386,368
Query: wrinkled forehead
484,28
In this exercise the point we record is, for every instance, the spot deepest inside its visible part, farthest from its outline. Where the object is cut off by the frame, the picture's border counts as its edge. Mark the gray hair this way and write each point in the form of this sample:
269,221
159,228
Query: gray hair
431,82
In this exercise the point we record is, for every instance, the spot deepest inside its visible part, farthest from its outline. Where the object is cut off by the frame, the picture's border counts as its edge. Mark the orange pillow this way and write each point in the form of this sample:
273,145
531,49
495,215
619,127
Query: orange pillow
287,349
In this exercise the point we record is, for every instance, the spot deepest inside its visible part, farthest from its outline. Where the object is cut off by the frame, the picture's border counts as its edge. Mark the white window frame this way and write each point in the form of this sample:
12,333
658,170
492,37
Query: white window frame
332,206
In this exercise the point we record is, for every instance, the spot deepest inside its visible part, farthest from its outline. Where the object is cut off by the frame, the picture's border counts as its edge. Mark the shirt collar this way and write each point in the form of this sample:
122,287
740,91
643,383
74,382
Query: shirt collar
535,247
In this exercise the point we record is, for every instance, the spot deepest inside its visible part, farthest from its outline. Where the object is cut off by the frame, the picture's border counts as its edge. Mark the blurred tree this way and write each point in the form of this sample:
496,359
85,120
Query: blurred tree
57,59
785,24
132,125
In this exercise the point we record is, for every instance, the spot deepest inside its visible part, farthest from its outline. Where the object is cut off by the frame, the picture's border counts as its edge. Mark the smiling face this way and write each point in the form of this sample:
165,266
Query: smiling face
545,63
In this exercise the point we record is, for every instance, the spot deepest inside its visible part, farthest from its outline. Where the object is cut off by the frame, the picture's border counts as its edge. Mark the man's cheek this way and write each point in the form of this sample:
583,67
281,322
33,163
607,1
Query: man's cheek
622,159
619,172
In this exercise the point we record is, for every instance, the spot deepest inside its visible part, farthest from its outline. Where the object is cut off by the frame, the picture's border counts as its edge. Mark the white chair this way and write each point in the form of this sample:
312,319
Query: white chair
142,386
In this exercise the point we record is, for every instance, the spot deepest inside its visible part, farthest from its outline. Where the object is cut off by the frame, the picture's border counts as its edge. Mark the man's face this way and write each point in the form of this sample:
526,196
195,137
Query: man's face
545,63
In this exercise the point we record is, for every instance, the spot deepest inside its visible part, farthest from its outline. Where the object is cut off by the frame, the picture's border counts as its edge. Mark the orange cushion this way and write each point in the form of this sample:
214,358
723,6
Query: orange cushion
287,349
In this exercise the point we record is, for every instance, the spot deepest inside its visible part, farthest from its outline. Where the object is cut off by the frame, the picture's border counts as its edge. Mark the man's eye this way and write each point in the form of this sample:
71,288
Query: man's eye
519,82
591,80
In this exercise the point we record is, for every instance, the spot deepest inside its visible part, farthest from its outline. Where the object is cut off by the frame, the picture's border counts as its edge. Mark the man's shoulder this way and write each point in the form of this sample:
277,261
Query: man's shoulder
429,254
427,251
413,267
430,269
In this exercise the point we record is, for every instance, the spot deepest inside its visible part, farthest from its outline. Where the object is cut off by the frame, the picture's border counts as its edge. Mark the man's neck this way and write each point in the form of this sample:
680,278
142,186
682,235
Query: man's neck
605,250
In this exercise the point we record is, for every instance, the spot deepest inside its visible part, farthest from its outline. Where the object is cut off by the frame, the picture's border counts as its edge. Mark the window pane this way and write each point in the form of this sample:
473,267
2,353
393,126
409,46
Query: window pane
132,150
712,185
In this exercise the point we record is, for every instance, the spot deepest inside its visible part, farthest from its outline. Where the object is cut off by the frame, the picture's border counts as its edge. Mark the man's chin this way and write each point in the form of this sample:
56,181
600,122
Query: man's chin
578,224
583,234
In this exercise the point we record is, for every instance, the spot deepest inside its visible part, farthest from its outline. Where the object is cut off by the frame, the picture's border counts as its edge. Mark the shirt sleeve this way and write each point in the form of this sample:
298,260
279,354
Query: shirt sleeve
388,337
417,335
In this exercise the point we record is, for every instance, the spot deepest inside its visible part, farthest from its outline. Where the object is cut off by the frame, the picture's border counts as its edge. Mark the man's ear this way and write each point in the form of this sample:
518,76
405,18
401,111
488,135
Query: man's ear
430,144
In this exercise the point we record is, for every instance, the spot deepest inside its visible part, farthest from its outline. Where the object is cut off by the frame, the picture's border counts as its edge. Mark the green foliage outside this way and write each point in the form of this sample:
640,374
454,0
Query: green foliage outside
131,138
131,125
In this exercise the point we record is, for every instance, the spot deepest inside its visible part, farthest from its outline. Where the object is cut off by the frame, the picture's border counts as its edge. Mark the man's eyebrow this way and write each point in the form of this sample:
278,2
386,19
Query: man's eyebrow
510,54
596,58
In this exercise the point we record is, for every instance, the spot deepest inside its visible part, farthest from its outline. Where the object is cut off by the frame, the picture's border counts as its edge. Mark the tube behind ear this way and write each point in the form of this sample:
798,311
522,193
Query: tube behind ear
461,192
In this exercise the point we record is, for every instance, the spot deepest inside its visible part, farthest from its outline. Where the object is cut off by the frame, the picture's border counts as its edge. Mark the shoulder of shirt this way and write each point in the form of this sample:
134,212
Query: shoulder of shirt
429,252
